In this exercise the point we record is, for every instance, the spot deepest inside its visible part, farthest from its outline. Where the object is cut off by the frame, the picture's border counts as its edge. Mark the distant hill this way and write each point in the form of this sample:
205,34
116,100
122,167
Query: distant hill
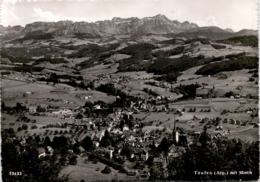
210,32
244,40
247,32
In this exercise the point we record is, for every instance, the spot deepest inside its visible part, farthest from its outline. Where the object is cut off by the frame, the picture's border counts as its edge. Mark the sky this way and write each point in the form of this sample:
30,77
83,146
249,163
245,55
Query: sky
234,14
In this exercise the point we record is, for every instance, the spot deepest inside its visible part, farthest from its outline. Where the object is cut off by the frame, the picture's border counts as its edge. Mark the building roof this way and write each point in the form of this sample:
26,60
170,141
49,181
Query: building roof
158,160
41,150
202,91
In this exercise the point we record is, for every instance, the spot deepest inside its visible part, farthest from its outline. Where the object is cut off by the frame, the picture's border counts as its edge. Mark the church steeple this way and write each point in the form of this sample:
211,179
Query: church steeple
175,132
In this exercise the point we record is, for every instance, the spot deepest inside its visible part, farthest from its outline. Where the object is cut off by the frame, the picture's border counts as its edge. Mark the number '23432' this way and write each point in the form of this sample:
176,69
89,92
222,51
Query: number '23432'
15,173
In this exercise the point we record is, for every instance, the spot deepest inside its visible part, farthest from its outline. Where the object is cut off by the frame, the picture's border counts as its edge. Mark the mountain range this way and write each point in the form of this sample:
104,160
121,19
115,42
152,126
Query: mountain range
158,24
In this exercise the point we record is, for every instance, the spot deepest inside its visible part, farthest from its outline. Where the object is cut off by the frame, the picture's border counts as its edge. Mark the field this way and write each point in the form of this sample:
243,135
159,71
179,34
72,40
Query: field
92,172
233,81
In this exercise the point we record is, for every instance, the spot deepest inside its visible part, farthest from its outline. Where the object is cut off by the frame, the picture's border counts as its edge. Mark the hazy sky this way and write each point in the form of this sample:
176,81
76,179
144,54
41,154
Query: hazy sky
235,14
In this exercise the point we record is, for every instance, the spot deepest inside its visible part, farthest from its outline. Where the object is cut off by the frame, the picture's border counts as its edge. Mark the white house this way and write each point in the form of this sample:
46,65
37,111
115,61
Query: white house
41,152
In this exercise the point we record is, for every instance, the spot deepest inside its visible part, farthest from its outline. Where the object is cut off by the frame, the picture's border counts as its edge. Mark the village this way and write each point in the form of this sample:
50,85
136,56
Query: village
133,136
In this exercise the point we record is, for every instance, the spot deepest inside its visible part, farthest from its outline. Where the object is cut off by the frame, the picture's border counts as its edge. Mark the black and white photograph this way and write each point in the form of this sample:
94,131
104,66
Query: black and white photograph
129,90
